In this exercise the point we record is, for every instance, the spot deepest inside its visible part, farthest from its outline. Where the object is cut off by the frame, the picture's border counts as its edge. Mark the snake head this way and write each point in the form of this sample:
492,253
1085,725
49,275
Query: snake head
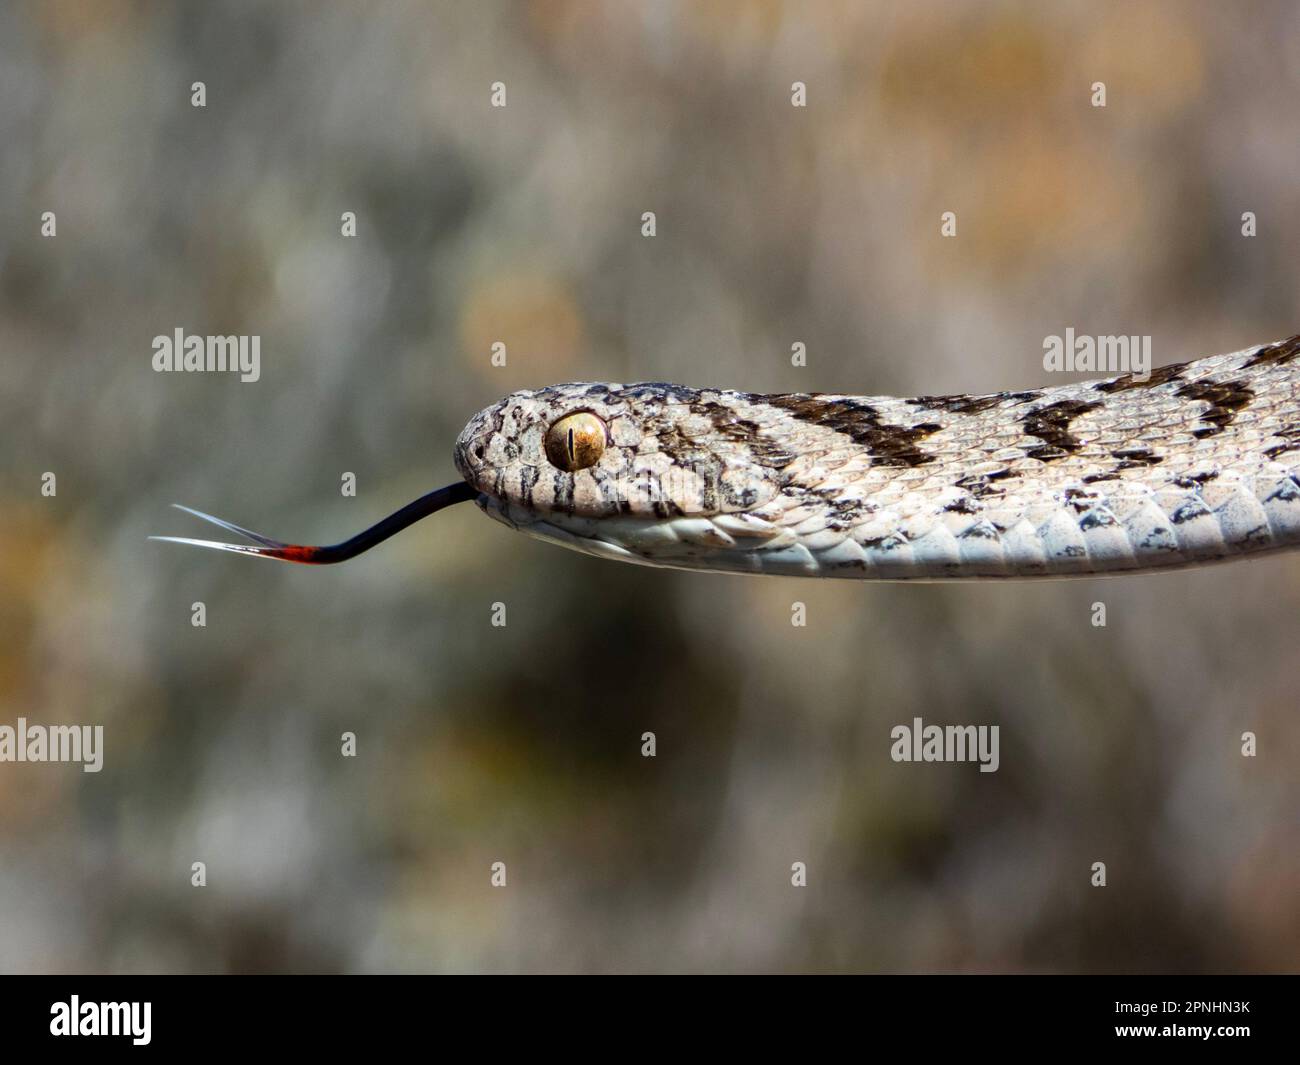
618,469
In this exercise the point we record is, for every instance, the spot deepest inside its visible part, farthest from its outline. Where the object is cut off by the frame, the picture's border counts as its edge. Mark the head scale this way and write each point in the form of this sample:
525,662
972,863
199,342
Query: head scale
601,467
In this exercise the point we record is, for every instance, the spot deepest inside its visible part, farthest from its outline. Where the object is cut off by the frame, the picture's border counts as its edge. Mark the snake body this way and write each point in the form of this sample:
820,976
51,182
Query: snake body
1195,464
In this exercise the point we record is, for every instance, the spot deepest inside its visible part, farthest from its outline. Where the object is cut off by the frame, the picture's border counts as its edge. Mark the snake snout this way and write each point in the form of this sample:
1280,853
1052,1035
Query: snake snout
470,451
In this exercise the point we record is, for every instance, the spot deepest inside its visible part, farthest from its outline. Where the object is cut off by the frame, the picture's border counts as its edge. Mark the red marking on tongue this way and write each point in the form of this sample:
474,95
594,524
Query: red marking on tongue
296,553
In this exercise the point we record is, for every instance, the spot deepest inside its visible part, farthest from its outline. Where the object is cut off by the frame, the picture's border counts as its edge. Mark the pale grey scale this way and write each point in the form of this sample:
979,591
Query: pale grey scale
1080,479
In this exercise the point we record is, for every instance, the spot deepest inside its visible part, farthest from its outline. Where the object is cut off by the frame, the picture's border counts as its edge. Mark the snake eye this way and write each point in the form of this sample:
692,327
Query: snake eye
576,441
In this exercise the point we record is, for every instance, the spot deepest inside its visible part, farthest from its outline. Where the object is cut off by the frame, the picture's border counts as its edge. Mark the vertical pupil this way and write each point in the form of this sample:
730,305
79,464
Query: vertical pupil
573,457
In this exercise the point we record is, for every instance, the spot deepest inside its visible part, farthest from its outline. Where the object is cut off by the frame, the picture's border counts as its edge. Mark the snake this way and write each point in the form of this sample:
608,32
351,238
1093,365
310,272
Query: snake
1185,465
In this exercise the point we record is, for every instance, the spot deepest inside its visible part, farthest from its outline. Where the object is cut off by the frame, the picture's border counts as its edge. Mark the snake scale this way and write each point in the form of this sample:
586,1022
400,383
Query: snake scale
1196,463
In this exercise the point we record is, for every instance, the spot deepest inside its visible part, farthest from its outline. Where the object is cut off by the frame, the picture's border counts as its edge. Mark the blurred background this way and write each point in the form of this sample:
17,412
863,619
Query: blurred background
522,744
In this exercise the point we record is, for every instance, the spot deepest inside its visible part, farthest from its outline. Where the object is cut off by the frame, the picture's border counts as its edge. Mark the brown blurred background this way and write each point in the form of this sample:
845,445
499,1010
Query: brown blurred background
476,744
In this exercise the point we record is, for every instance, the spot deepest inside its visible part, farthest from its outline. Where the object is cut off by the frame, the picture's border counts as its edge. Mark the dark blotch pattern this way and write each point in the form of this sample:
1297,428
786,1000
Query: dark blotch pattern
1051,424
1291,434
1130,458
763,451
1124,382
660,390
889,445
957,404
1278,354
1189,511
845,513
1133,457
984,484
1287,492
1225,399
682,449
1195,480
1080,499
1096,519
972,404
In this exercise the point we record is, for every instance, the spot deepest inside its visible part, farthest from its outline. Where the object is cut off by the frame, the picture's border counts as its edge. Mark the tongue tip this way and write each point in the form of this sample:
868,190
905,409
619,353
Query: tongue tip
309,554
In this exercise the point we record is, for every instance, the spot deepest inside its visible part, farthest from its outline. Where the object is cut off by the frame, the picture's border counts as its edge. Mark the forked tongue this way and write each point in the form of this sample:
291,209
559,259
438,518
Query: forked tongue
341,552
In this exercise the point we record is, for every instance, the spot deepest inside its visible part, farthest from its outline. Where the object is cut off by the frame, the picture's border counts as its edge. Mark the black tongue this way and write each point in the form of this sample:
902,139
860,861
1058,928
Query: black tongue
310,554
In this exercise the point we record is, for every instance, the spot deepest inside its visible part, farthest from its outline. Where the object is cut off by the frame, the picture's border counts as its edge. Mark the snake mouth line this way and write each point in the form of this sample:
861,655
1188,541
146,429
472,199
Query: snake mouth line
690,543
